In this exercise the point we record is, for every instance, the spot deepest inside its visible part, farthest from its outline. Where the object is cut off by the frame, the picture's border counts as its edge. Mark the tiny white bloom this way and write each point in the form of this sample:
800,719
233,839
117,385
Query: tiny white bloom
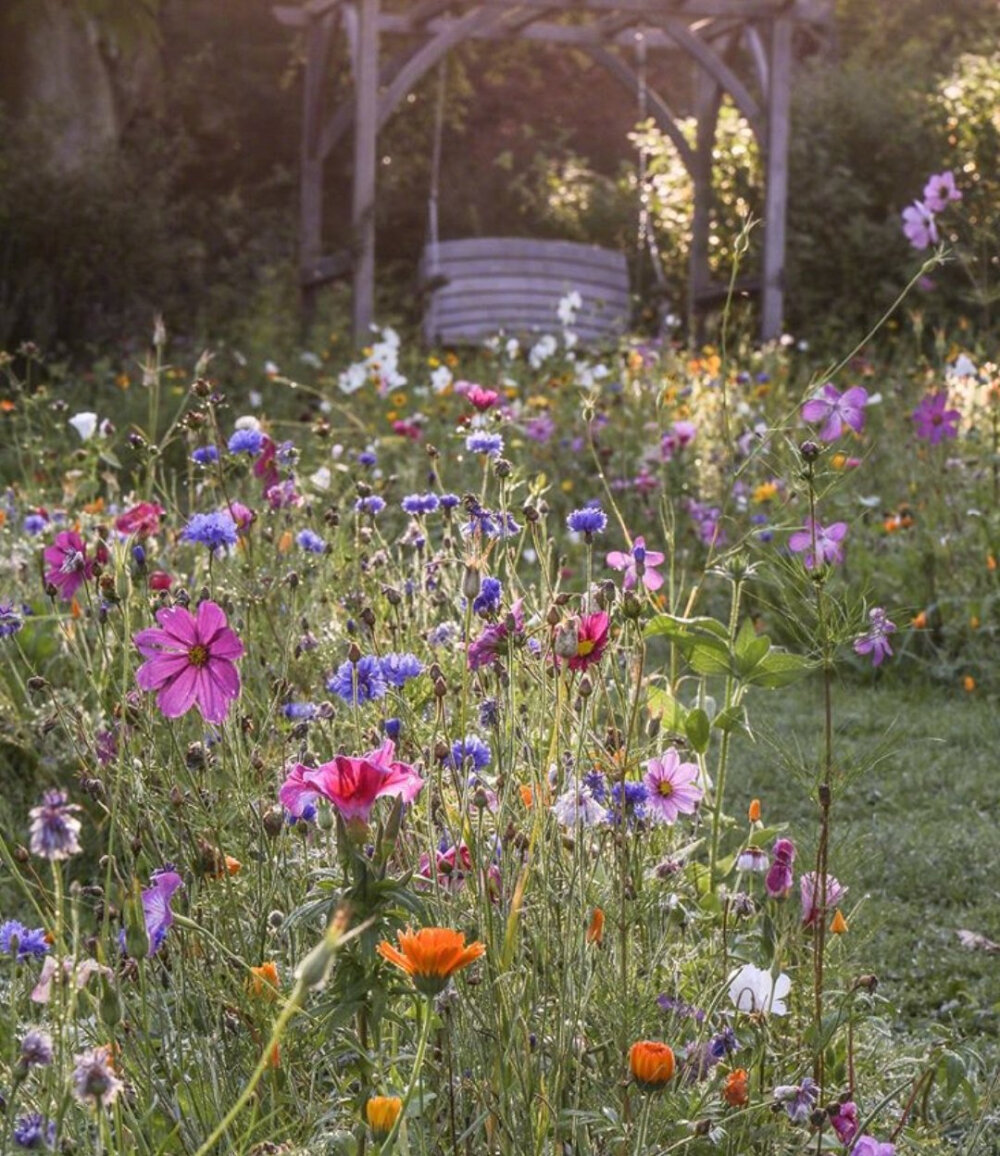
513,348
256,398
247,421
85,425
441,379
963,367
271,369
754,990
310,359
320,480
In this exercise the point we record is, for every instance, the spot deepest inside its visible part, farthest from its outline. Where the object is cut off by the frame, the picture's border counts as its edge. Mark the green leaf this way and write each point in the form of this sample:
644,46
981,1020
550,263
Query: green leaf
671,713
671,626
698,730
708,656
777,669
764,835
733,719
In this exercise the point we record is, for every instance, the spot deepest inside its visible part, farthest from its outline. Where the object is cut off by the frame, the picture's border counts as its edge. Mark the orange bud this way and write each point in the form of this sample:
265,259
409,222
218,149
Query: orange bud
651,1064
991,562
285,542
919,621
527,795
974,622
753,811
969,683
735,1091
233,866
839,924
263,981
595,932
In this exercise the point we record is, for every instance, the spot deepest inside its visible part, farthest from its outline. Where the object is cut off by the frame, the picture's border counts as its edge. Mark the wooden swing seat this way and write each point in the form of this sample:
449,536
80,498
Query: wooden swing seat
480,287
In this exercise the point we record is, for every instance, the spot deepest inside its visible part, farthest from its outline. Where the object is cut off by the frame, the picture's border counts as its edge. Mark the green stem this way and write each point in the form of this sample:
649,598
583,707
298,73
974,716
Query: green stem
720,774
418,1063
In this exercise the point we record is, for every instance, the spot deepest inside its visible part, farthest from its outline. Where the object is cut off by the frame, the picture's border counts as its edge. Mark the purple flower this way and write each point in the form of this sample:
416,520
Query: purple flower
246,441
420,503
489,524
869,1146
358,682
484,443
672,787
55,830
297,711
10,621
876,641
487,601
205,455
939,190
470,752
933,421
919,226
68,564
94,1078
798,1099
837,410
371,505
706,520
810,892
35,1133
213,530
779,879
311,542
26,942
821,544
35,523
638,561
156,906
588,521
36,1049
636,798
398,669
845,1121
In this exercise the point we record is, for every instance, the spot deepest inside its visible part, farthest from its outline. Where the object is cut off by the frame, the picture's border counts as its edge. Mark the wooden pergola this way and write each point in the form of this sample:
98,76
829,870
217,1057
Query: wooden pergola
742,49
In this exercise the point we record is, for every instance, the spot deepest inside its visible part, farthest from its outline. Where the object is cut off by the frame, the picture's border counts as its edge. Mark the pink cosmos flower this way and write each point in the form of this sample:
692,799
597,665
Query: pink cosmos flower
939,190
671,787
592,633
453,866
919,226
68,564
810,892
141,520
837,410
481,399
933,421
638,561
351,784
828,539
190,661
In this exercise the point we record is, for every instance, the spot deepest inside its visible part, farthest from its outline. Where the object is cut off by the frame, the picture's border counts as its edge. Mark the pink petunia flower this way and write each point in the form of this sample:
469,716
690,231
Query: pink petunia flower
68,564
638,561
810,891
671,787
827,545
933,421
837,410
939,190
190,661
919,226
351,784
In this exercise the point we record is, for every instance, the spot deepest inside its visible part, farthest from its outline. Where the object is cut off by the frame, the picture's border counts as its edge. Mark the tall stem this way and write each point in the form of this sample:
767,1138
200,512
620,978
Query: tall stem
720,774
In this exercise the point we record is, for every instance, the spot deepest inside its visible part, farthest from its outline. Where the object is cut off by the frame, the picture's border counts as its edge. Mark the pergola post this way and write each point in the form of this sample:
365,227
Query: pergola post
318,35
776,191
365,168
699,273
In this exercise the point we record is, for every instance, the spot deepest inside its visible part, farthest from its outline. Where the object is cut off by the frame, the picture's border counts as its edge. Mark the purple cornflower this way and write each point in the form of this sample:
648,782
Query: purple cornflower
36,1049
367,458
449,502
680,1008
798,1099
371,505
398,669
933,421
94,1079
869,1146
672,787
213,530
10,621
636,800
489,713
246,441
300,710
723,1044
779,879
939,190
27,943
470,752
311,542
205,455
876,641
484,443
35,1132
589,521
539,428
919,226
420,503
358,682
578,806
706,520
489,524
35,523
826,550
487,601
55,830
836,410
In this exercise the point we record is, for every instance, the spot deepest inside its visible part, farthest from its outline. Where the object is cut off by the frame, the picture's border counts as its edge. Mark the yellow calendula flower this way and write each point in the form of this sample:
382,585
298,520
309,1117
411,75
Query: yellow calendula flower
381,1113
765,492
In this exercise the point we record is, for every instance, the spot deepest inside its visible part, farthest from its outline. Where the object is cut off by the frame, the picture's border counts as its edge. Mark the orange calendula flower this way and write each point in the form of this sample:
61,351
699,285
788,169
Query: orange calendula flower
263,981
969,683
651,1064
753,811
736,1091
595,932
382,1112
991,562
919,621
839,924
431,956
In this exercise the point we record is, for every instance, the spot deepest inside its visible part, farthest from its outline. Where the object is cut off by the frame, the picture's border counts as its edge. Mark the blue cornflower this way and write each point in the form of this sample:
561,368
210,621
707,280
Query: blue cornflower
300,710
597,785
205,455
487,601
450,501
34,523
391,727
31,944
287,454
397,669
442,635
484,443
358,682
10,621
635,802
367,458
421,503
35,1132
489,713
211,530
372,505
588,521
246,441
310,542
488,524
723,1044
472,751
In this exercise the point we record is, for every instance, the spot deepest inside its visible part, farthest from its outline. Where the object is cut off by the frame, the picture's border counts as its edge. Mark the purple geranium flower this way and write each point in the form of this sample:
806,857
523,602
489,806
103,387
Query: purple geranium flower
821,544
876,641
933,421
919,226
939,190
836,410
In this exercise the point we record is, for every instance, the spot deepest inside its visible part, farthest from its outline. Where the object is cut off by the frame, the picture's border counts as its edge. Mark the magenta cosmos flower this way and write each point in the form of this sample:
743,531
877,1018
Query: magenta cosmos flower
824,540
589,635
935,422
190,661
638,561
671,787
351,784
919,226
68,564
837,410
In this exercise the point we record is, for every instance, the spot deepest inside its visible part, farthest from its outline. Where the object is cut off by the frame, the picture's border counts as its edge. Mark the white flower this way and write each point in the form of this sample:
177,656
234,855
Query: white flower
246,421
310,359
321,479
963,367
271,369
568,307
578,805
513,348
542,350
353,377
85,425
256,398
754,990
441,379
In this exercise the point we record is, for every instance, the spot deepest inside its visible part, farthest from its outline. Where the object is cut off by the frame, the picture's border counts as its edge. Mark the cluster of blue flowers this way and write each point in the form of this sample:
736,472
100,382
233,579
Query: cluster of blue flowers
21,941
370,505
484,443
418,504
311,542
246,441
212,530
487,601
470,752
370,677
588,521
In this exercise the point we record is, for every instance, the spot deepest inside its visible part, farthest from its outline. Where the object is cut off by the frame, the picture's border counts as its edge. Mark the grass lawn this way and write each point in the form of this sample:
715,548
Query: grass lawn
916,838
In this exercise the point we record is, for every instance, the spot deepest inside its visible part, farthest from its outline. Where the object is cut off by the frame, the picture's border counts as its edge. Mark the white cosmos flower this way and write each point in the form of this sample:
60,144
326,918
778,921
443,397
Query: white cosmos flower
85,425
754,990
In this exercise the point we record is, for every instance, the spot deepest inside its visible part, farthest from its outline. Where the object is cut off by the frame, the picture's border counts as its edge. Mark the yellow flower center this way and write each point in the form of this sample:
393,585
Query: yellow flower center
198,655
665,788
584,647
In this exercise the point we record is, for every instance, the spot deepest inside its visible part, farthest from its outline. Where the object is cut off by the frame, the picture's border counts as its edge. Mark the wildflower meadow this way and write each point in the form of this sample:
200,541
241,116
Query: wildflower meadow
459,752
